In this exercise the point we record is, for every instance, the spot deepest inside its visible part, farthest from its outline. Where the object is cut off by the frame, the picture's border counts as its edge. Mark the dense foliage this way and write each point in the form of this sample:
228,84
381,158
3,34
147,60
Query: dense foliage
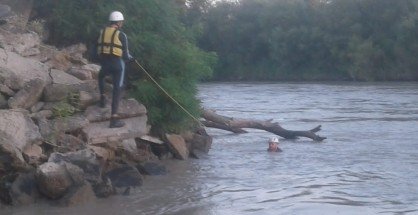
364,40
157,38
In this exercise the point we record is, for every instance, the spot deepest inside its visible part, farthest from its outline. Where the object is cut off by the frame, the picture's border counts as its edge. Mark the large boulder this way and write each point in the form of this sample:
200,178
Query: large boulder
53,180
18,71
28,95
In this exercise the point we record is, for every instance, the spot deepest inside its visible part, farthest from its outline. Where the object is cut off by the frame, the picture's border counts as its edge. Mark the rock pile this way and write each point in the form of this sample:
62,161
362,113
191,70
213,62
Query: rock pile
55,143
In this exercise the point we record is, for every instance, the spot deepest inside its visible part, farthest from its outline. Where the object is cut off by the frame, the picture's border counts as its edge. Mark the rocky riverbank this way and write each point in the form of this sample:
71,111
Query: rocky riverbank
55,144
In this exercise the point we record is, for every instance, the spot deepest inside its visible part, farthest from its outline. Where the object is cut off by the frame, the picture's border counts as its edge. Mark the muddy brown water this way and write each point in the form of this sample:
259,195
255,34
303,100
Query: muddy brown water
368,164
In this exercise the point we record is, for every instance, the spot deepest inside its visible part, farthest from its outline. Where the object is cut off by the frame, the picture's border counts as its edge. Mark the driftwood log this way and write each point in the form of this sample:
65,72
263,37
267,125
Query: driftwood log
236,125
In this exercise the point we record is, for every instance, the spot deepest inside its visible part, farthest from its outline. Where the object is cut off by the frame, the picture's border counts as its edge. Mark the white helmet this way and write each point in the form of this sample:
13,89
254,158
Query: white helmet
274,140
116,16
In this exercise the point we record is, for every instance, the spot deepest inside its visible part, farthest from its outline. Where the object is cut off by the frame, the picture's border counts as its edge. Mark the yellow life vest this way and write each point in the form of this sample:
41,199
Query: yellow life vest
109,43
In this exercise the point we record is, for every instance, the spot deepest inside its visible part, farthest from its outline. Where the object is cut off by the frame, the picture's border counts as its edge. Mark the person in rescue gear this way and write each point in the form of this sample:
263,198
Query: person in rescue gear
112,49
273,145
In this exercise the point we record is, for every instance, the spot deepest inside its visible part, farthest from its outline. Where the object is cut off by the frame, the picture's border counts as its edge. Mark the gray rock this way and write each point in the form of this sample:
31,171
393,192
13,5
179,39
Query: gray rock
53,180
104,188
46,114
78,195
69,124
101,133
37,107
69,143
81,74
33,154
28,95
59,91
6,90
11,158
19,128
17,70
86,99
85,159
127,109
125,176
26,44
94,70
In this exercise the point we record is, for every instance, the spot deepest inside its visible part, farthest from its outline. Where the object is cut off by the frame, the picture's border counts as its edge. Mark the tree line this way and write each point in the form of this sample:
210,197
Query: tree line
354,40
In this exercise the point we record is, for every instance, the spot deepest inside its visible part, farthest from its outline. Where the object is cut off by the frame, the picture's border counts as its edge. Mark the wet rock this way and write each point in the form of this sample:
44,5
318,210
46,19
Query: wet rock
78,195
28,95
80,73
85,159
178,146
125,176
104,188
152,168
56,180
24,190
127,109
53,180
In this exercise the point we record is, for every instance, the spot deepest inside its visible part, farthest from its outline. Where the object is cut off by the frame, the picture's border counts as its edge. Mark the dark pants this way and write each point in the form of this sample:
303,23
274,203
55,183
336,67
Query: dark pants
115,67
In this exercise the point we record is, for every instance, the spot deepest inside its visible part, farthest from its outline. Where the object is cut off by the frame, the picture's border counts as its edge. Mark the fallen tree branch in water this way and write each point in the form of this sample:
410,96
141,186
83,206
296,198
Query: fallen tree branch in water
236,125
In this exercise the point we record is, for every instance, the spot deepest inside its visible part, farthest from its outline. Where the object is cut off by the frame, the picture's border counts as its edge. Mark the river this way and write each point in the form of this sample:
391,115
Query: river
368,164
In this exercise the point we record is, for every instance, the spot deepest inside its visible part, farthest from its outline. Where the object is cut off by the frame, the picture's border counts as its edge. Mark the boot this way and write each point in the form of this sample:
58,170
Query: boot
115,123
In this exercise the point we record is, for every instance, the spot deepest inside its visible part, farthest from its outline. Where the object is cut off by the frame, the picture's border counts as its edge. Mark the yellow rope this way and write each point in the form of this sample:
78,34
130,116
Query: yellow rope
165,92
